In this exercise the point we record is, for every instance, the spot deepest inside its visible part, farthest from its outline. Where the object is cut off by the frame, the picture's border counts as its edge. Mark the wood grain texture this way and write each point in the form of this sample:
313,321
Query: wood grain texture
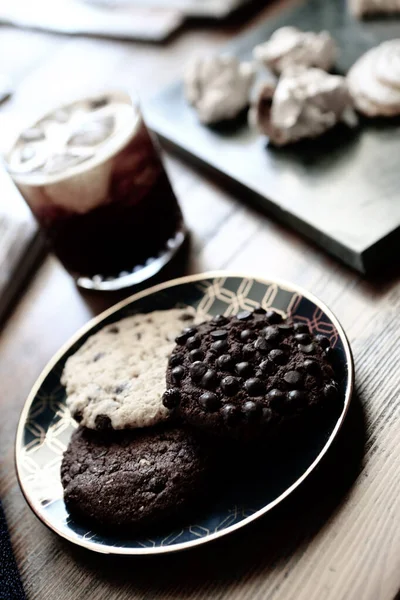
338,536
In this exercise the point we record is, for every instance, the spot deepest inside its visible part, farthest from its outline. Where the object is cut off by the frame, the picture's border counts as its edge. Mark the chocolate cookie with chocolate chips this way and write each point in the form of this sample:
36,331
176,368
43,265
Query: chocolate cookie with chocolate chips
133,479
242,376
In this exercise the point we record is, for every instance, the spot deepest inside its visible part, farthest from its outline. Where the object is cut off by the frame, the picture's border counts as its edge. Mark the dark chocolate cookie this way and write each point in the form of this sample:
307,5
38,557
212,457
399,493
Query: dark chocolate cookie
244,375
133,479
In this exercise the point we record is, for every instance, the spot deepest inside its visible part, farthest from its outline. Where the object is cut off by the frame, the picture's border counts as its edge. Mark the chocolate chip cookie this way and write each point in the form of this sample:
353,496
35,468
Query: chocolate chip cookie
131,480
117,378
245,375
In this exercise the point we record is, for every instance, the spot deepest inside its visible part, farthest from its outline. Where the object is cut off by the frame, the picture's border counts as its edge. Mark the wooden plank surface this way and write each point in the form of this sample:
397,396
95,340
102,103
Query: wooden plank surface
338,537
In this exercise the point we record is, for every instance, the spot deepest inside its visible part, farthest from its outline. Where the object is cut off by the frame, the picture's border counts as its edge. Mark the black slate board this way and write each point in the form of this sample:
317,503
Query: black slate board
343,190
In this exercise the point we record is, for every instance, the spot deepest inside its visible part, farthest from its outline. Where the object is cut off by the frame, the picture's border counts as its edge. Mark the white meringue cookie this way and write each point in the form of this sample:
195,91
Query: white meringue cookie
305,104
374,80
290,46
218,87
371,7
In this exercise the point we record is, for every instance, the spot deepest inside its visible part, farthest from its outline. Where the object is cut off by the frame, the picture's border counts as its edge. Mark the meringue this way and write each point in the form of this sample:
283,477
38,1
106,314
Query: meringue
290,46
374,81
371,7
304,104
218,87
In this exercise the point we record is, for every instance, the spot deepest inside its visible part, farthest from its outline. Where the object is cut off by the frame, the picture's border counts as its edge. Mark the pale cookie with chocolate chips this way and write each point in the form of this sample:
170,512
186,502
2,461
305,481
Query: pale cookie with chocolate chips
117,378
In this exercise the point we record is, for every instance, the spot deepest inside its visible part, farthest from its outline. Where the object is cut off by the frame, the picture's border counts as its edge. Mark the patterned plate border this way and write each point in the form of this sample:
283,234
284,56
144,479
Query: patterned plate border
209,289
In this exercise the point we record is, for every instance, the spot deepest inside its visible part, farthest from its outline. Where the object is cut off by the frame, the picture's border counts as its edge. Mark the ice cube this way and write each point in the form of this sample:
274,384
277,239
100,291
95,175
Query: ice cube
26,153
63,161
34,134
60,115
93,132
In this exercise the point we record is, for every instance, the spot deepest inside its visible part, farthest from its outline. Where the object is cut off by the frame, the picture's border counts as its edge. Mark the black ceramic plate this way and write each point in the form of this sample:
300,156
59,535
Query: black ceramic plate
46,425
341,190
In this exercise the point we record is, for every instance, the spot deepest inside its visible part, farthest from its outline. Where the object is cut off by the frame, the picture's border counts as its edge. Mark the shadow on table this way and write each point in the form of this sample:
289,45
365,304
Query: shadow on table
259,546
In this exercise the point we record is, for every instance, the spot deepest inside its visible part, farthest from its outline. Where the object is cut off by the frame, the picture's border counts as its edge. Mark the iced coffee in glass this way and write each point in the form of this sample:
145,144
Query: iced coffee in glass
92,176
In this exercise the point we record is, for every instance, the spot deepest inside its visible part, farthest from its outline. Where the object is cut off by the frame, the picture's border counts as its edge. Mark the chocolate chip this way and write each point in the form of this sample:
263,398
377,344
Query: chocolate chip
302,338
267,367
103,423
78,416
278,356
272,334
225,362
273,317
220,320
244,369
309,349
196,355
246,335
175,360
193,342
259,311
293,379
230,414
330,391
178,373
186,317
266,415
312,367
301,328
329,371
329,353
285,328
209,401
113,329
262,345
323,341
120,388
171,398
189,331
209,380
230,385
251,410
157,485
244,315
197,370
297,397
181,339
276,398
220,347
254,387
248,351
219,334
98,356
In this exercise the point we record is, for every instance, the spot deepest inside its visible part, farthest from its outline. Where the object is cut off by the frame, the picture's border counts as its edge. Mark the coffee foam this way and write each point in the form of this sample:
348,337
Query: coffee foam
71,141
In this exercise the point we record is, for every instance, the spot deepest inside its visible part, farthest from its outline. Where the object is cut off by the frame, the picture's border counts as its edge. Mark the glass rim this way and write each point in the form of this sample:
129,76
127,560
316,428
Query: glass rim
36,179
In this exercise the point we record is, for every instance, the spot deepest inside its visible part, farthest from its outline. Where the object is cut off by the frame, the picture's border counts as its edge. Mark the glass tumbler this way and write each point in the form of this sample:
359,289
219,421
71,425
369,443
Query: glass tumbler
92,175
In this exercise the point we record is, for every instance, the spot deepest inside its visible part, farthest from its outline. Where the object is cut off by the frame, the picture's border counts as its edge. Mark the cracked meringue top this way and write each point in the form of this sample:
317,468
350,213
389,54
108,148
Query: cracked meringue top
218,87
304,104
290,46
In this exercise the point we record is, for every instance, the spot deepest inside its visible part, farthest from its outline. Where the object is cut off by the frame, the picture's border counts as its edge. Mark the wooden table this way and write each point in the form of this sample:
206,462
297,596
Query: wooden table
338,537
